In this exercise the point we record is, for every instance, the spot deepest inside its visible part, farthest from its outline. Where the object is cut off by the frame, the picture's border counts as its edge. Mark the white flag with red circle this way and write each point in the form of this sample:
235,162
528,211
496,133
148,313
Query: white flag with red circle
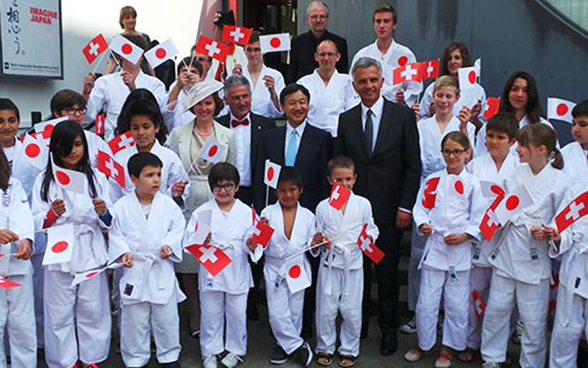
44,129
430,69
574,211
467,77
109,167
35,151
87,275
491,190
368,247
492,106
94,48
274,43
7,284
237,34
121,142
99,124
213,151
125,48
70,180
211,258
262,234
339,196
212,48
402,60
560,109
60,243
271,174
161,53
408,73
456,186
296,277
512,204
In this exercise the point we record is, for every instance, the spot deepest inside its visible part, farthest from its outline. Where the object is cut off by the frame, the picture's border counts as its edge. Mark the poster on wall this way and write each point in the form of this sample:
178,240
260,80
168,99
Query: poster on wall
31,38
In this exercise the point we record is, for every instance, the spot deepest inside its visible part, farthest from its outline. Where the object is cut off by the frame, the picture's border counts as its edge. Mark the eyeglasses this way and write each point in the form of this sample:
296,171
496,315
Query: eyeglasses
253,49
226,187
455,152
73,111
327,54
315,17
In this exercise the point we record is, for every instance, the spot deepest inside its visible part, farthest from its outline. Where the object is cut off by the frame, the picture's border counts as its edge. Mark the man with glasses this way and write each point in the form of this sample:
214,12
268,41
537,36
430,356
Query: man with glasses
302,61
332,92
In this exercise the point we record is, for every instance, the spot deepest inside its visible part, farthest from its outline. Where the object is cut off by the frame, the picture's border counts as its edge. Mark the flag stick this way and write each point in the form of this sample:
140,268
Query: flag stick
99,62
266,195
115,59
310,248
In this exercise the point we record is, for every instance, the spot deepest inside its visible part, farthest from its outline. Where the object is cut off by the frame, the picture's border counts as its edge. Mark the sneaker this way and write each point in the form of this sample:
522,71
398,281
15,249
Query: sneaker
210,362
231,360
278,356
303,355
518,334
409,327
491,365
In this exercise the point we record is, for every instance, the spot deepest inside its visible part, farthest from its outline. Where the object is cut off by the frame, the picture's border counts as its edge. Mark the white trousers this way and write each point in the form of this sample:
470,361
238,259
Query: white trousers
455,292
571,324
218,309
17,317
77,320
480,278
532,303
285,312
38,285
137,322
346,297
417,247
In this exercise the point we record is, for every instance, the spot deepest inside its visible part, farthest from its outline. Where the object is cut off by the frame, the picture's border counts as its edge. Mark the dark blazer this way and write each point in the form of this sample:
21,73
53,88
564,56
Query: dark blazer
390,177
314,152
302,54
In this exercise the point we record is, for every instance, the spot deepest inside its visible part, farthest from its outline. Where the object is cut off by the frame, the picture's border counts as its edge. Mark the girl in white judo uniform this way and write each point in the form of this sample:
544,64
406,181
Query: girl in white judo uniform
575,154
340,278
294,227
223,298
448,212
522,268
17,311
77,319
147,239
494,167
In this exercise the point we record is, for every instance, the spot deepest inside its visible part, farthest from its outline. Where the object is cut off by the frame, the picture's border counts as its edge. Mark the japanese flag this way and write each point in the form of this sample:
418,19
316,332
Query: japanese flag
202,228
161,53
211,258
402,60
60,243
492,105
274,43
560,109
491,189
430,193
577,209
236,34
46,127
121,142
109,167
70,180
272,174
94,48
125,48
7,284
35,151
368,247
512,204
456,186
213,151
262,234
339,196
214,49
296,277
467,77
99,124
410,72
87,275
430,69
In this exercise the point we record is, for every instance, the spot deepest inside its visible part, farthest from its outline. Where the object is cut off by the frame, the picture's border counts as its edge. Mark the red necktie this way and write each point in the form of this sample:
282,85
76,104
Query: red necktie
236,123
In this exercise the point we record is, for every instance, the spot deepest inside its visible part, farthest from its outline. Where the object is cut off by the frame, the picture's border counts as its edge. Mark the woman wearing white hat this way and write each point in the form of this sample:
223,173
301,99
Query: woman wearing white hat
187,141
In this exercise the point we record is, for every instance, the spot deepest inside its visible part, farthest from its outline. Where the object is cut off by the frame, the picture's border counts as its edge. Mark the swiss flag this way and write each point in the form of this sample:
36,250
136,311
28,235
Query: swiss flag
560,109
35,151
94,48
490,223
125,48
368,247
7,284
70,180
430,193
492,105
213,151
274,43
121,142
577,209
410,72
467,77
271,174
254,218
339,196
479,305
87,275
236,34
214,49
99,124
430,69
296,277
262,234
60,243
212,258
513,203
491,189
161,53
109,167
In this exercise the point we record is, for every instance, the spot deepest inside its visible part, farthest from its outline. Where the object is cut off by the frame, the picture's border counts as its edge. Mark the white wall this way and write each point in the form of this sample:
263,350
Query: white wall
84,19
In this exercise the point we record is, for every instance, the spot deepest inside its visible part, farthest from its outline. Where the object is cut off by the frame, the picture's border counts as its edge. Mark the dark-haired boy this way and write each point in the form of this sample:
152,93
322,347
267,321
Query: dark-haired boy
575,154
147,239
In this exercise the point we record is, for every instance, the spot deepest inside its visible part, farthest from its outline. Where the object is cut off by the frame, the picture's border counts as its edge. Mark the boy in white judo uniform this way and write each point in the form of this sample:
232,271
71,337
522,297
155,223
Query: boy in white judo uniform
340,278
147,239
294,227
575,153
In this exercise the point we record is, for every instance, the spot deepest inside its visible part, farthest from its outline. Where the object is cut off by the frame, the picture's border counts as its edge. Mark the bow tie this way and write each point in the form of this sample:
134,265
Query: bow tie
236,123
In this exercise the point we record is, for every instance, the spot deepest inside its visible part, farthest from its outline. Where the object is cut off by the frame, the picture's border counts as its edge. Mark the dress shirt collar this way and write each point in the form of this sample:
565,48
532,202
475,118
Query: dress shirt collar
299,129
377,108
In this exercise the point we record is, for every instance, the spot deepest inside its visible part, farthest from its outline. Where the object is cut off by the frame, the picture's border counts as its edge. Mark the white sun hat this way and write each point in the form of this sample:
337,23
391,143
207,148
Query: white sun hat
200,91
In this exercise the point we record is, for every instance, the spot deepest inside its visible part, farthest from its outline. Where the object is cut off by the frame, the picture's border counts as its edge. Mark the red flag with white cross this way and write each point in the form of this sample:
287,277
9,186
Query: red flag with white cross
368,247
492,106
94,48
121,142
408,73
236,34
212,48
577,209
430,193
99,124
339,196
262,234
211,258
430,69
109,167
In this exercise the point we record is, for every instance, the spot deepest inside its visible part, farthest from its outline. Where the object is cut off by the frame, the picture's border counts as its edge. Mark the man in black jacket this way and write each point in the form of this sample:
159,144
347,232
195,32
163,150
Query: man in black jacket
382,138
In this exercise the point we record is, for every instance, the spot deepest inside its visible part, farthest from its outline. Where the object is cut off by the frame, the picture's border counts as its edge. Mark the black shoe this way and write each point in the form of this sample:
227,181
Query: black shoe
278,356
303,355
175,364
389,344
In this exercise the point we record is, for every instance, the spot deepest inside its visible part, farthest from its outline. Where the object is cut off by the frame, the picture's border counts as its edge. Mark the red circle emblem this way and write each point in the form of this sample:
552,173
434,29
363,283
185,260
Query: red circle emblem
472,77
126,49
294,272
275,42
402,60
62,178
92,274
459,186
59,247
270,173
562,109
512,203
160,53
32,150
212,151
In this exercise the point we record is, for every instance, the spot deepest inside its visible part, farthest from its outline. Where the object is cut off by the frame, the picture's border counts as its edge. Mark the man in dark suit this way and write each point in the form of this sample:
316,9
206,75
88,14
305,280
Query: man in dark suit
308,149
248,129
382,138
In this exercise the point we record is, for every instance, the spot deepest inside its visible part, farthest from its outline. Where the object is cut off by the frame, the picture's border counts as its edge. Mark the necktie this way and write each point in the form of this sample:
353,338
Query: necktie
368,132
236,123
292,149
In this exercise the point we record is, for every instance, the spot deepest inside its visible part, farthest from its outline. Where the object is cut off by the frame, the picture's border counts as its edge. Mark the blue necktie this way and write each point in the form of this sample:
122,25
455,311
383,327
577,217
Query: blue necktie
292,149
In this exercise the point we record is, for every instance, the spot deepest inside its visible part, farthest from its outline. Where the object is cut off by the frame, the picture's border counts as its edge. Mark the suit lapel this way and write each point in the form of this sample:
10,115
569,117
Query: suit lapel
357,130
305,141
384,127
255,136
281,145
